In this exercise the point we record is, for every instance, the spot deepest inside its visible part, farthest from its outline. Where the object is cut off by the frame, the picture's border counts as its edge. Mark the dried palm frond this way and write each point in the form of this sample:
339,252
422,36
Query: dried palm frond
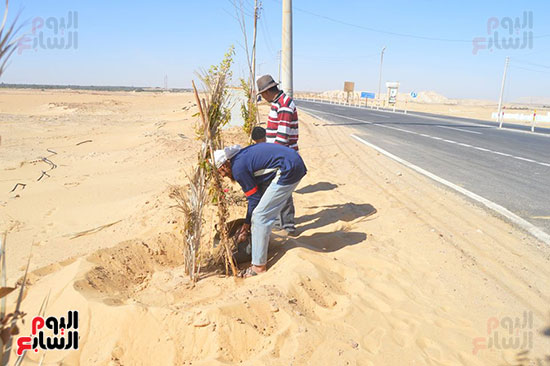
8,39
8,322
191,203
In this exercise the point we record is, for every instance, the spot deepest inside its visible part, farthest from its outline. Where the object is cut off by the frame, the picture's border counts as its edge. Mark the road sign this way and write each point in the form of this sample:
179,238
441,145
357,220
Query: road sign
349,86
367,95
392,86
413,94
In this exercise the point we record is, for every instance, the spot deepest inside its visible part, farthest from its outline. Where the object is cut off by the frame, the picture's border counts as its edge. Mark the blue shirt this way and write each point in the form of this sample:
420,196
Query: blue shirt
259,163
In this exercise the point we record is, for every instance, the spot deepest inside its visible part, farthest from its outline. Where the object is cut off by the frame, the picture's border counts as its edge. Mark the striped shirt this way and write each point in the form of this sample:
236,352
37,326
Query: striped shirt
282,122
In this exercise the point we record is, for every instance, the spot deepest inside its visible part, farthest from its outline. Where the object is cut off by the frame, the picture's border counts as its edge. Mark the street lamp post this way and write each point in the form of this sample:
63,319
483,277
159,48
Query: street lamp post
380,74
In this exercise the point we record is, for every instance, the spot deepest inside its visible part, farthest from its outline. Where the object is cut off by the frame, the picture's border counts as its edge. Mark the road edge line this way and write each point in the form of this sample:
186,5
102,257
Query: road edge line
522,223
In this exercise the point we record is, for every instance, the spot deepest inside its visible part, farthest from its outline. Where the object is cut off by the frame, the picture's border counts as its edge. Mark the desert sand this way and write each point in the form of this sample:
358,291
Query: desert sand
388,268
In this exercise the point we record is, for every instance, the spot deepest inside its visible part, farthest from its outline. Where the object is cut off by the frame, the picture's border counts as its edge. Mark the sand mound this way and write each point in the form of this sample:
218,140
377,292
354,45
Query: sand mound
133,267
429,97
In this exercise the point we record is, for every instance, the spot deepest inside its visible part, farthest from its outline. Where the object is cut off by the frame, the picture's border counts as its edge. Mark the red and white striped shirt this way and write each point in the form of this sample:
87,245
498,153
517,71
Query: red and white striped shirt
282,122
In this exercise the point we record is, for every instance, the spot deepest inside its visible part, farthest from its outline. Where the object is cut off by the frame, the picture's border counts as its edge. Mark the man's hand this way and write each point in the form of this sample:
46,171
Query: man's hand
243,233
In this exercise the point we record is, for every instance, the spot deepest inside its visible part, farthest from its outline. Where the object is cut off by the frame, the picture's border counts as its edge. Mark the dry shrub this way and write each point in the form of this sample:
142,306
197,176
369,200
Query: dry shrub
249,110
191,203
205,181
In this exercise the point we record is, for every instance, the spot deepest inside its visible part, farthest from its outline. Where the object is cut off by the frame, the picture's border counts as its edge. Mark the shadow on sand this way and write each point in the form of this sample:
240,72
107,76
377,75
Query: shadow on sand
317,187
330,214
324,242
317,242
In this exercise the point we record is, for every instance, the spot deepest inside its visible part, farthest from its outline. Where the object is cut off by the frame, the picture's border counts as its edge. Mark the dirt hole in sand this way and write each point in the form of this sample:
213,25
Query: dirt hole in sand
149,272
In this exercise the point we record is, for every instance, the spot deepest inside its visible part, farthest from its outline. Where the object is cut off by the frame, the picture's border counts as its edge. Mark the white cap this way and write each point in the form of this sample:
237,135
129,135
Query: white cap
221,156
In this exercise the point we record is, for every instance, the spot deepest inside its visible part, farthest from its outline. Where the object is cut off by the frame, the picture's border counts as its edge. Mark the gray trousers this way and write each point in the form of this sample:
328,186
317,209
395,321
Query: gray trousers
285,219
265,216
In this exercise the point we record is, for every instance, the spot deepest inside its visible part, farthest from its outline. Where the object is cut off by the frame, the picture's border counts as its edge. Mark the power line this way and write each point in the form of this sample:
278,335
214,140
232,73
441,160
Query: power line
532,64
249,5
537,51
384,31
527,69
335,58
406,35
380,30
267,38
240,7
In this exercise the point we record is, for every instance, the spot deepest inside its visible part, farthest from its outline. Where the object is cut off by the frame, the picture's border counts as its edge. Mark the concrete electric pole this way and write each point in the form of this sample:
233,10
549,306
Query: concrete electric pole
499,115
286,54
254,47
279,59
380,74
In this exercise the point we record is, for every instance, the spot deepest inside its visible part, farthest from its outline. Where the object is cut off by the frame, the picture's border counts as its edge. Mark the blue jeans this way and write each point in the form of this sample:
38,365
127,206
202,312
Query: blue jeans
264,216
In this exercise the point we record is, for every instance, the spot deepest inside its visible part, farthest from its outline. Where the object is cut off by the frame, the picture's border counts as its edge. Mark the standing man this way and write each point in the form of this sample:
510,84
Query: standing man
252,166
282,129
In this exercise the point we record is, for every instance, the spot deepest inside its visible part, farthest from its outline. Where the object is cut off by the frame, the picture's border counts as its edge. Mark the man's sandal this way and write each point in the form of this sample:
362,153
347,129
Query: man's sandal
249,272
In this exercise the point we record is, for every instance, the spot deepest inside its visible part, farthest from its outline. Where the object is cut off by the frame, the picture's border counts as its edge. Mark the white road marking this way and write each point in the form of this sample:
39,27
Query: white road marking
451,120
532,229
379,115
445,140
529,160
482,149
332,114
461,130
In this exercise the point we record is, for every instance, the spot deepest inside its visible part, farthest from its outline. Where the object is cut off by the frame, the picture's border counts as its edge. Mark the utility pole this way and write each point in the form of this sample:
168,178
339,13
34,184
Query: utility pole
380,74
254,48
279,59
286,56
499,117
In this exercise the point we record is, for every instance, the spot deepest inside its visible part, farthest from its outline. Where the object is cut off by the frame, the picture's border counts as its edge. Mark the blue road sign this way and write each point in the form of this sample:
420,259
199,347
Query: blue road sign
413,94
367,95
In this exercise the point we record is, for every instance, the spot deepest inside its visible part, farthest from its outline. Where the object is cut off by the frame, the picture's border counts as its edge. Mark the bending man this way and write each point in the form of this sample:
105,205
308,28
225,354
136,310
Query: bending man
250,167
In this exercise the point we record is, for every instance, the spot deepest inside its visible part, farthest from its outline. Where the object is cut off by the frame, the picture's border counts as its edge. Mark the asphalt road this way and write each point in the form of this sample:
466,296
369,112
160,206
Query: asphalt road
509,167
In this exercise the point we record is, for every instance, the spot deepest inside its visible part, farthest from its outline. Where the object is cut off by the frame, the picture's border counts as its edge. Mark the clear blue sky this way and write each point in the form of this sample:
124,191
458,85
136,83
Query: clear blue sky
135,43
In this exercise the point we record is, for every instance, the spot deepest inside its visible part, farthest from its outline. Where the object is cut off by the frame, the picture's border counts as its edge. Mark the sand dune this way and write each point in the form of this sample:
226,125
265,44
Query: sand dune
388,268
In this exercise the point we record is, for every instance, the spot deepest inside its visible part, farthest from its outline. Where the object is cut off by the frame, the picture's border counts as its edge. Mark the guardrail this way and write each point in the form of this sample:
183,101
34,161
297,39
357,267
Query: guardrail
533,117
353,102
